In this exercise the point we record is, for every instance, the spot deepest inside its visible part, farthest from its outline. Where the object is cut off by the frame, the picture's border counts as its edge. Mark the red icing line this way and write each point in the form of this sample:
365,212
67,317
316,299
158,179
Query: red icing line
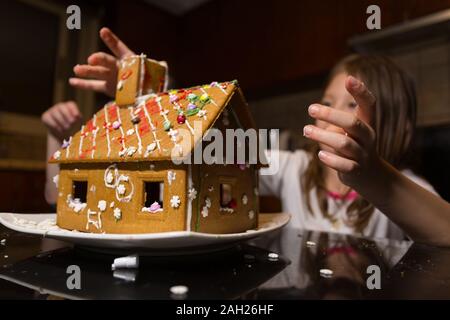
126,74
152,107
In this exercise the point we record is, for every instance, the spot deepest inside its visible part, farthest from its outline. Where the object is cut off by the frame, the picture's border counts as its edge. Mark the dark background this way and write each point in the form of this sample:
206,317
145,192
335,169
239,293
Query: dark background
274,48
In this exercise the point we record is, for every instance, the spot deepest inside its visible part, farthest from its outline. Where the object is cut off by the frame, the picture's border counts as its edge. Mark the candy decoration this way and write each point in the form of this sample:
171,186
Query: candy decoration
181,118
167,125
116,125
65,143
192,97
136,120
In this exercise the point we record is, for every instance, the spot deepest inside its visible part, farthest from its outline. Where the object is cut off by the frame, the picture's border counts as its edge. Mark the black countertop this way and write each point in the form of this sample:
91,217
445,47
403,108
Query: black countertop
36,268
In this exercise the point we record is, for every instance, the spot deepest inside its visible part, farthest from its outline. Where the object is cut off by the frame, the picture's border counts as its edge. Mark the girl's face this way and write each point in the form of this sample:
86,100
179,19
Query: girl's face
336,96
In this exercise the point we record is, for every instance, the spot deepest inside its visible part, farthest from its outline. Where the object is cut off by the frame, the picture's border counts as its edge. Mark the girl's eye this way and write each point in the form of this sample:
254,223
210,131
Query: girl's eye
326,103
353,105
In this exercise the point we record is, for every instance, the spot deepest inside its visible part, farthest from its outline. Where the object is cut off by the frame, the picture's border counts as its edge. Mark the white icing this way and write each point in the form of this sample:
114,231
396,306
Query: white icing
109,176
205,209
95,222
111,205
149,149
175,201
80,147
210,188
202,114
121,189
189,204
120,85
130,132
75,204
244,199
68,147
227,210
251,214
108,144
171,176
113,180
117,214
141,73
120,197
131,151
135,130
94,135
56,180
101,205
57,155
92,188
122,134
152,126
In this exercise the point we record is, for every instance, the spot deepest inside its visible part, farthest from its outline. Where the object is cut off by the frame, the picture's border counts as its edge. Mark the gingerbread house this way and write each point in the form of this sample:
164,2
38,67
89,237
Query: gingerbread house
118,174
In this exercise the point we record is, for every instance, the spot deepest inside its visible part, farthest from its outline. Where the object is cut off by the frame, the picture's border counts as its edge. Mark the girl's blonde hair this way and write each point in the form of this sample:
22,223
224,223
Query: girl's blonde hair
394,122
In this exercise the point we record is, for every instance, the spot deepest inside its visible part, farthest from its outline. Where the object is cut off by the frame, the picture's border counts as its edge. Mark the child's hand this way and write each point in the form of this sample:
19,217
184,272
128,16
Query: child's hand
354,156
62,120
102,67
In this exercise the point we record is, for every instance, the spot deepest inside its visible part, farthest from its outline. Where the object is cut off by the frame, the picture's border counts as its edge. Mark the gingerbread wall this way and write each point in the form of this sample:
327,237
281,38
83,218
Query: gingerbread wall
103,188
207,215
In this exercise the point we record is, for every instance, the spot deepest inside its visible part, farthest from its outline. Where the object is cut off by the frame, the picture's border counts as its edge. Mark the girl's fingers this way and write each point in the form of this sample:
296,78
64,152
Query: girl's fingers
351,124
58,118
94,72
343,144
73,109
114,44
96,85
103,59
337,162
50,122
66,114
363,97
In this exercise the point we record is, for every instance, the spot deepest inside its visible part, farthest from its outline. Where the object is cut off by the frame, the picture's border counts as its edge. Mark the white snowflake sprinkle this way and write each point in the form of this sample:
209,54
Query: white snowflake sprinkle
130,132
57,155
192,194
121,189
175,201
117,214
101,205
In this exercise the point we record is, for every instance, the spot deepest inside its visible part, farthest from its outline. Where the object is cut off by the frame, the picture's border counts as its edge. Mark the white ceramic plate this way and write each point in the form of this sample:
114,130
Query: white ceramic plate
165,241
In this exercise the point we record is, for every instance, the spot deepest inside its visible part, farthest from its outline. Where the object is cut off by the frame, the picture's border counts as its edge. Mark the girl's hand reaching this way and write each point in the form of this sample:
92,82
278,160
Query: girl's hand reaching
354,153
100,74
62,120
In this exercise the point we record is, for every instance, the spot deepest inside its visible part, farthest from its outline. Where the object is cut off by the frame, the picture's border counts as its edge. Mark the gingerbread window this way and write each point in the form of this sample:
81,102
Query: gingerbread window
227,195
153,196
79,190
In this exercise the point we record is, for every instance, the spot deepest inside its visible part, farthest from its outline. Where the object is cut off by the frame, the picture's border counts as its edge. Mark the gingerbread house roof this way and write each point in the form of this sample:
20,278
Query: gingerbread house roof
150,130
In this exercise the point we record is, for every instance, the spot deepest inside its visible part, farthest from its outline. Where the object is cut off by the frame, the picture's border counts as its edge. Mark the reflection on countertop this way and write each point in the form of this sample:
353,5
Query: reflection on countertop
307,265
